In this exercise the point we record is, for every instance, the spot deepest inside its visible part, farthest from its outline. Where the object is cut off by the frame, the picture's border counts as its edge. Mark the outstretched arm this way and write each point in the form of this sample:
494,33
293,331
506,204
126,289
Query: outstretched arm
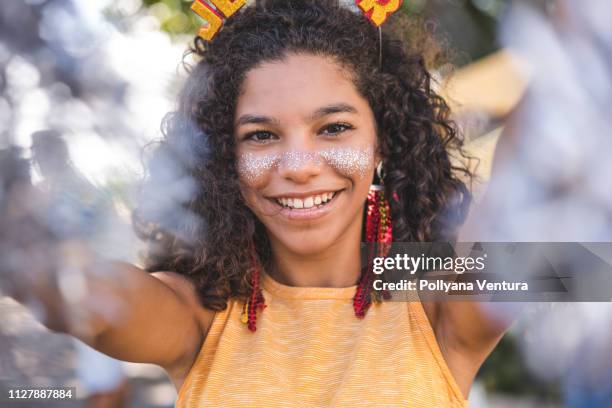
468,331
117,308
124,312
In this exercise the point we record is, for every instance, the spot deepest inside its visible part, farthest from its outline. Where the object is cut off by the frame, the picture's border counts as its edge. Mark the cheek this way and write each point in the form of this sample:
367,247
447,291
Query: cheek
254,169
250,198
350,162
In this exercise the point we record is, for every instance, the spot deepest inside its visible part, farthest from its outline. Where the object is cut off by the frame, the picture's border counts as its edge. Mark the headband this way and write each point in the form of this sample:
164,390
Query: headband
214,13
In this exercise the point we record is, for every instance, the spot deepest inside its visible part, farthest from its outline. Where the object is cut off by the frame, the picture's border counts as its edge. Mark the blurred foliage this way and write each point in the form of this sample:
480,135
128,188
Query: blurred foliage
505,372
175,16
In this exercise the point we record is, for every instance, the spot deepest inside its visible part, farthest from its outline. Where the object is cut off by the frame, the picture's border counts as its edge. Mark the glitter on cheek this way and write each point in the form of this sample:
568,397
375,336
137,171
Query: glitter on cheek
295,160
251,167
349,161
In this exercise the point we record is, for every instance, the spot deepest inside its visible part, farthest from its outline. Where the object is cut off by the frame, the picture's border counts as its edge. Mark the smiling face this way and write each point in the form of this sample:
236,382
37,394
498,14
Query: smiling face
306,148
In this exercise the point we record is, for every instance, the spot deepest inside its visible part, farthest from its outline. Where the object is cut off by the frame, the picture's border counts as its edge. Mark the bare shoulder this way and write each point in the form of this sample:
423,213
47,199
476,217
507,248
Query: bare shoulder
459,328
186,291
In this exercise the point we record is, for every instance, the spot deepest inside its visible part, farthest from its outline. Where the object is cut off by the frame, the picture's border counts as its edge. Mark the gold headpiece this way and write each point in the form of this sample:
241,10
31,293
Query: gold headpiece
377,11
213,19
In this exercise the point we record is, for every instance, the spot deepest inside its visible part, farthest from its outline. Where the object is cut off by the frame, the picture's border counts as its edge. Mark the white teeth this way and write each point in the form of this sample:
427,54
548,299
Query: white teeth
307,202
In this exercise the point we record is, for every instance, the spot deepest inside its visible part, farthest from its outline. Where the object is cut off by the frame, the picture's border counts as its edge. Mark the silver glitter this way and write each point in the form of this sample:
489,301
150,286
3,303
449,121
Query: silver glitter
347,160
294,160
252,166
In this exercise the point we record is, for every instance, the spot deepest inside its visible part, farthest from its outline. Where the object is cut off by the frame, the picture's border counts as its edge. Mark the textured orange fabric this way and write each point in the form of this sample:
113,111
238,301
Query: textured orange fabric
310,350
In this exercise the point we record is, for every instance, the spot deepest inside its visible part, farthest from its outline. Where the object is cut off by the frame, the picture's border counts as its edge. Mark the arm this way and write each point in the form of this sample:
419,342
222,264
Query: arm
116,308
465,335
468,331
129,314
154,322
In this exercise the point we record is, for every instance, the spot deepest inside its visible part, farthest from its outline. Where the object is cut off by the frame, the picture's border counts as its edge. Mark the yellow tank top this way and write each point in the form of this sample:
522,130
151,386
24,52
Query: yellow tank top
310,350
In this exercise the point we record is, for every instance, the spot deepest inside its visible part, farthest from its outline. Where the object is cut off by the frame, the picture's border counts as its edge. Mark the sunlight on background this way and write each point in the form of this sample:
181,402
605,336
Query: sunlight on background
129,73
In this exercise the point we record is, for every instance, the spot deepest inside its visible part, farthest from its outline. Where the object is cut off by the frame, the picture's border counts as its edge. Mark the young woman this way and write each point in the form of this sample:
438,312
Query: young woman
281,128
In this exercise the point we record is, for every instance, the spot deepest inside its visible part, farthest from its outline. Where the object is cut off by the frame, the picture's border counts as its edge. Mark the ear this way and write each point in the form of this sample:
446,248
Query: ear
377,156
377,162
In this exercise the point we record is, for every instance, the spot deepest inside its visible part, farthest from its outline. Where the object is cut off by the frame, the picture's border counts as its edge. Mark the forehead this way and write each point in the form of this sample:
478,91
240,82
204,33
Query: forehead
298,83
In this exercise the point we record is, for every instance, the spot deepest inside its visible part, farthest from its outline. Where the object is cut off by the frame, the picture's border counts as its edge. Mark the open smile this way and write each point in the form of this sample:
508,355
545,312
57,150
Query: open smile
306,207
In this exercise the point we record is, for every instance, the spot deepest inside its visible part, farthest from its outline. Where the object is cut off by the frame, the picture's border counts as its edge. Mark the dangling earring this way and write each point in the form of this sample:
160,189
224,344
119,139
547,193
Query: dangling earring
379,236
379,211
256,299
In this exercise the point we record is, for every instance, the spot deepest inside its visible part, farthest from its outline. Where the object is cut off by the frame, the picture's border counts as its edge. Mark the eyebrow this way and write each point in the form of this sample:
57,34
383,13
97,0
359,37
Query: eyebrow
331,109
318,114
257,120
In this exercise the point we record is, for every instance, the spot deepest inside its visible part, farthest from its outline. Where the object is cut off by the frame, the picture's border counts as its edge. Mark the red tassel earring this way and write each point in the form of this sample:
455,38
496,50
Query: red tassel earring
379,236
256,299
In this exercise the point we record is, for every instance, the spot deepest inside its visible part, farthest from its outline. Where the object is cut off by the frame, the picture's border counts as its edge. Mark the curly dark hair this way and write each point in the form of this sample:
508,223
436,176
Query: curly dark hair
415,133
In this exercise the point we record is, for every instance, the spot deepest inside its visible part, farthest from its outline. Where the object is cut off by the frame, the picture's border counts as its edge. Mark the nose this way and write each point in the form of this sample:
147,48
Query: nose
300,165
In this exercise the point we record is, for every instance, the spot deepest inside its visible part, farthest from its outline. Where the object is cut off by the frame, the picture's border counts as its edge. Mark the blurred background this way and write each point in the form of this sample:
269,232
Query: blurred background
103,74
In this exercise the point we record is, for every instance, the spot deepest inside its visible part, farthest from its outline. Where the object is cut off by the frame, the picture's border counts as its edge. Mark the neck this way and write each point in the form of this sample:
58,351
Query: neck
336,266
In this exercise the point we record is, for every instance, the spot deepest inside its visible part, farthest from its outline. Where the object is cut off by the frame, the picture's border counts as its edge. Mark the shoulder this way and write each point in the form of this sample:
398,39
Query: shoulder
186,291
465,325
464,336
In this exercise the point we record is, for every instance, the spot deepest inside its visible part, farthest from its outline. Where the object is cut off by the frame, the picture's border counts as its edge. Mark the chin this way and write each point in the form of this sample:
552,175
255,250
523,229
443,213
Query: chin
306,242
310,248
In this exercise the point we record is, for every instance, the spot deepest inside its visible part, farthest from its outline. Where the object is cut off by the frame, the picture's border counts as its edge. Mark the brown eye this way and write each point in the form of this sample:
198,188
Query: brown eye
336,128
260,136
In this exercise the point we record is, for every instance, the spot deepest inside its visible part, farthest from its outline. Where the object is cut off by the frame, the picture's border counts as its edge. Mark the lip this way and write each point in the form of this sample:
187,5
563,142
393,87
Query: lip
309,214
302,195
